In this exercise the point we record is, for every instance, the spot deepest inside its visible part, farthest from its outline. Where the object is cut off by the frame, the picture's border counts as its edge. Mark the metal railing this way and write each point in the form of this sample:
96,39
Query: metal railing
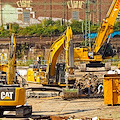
28,62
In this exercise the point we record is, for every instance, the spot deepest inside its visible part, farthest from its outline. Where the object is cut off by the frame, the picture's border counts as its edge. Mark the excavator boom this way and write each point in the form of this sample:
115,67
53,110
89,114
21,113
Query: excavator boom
56,48
12,96
107,25
55,72
11,61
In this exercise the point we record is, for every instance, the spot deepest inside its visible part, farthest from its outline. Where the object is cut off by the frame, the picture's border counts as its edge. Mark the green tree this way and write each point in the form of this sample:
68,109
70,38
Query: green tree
76,27
94,28
117,26
4,33
14,28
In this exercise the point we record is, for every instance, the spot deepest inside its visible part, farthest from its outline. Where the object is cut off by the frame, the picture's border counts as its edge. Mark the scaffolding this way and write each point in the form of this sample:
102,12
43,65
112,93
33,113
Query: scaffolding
87,24
88,12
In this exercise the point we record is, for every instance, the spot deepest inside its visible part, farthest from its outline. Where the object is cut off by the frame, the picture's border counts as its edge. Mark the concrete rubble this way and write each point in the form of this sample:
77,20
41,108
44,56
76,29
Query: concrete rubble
82,83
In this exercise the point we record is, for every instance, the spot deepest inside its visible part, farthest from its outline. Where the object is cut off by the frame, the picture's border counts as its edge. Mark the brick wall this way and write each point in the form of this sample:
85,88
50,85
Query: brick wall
12,10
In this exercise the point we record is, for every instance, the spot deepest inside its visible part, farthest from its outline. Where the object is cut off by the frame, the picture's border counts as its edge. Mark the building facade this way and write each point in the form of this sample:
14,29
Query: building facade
27,12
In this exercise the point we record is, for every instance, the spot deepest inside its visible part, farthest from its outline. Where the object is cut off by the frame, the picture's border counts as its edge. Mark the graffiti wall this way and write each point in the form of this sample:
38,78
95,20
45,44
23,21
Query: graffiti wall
20,12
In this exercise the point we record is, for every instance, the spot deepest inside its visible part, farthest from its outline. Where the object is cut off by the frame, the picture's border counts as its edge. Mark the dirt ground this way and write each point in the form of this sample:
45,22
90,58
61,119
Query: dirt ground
79,107
82,107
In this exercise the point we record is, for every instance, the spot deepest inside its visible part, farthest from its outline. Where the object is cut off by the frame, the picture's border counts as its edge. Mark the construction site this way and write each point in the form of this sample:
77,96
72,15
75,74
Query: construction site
48,103
60,77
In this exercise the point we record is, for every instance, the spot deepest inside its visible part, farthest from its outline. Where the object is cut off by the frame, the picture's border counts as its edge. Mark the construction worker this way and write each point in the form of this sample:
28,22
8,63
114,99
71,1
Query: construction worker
89,83
2,57
100,89
39,59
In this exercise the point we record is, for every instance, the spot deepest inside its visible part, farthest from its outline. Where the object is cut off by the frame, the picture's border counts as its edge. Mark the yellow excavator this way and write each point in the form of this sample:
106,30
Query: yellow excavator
12,95
101,48
61,74
55,73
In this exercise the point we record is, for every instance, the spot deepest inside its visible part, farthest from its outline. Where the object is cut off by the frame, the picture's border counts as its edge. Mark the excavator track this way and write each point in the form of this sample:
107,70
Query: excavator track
40,92
23,111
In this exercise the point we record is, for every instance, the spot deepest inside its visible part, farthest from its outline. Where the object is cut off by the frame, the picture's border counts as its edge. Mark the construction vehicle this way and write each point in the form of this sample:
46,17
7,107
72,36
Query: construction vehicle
55,73
12,94
3,68
101,48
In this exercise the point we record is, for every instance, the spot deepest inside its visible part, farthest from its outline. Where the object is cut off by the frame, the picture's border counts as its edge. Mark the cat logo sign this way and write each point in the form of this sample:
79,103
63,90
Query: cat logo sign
6,95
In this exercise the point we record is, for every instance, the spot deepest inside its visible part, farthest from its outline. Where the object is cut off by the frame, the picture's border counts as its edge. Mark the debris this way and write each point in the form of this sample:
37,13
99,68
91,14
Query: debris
58,118
82,83
64,118
41,117
86,118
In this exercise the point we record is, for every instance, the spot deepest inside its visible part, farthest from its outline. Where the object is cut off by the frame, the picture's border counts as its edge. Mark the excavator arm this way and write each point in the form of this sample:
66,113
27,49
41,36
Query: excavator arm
11,61
55,72
101,48
56,48
12,96
107,25
54,52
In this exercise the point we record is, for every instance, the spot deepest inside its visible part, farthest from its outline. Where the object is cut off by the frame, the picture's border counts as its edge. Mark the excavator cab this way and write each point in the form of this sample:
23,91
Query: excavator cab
59,77
60,73
107,51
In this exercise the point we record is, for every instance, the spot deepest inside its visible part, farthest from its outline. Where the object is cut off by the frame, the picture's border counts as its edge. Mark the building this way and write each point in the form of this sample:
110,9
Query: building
27,12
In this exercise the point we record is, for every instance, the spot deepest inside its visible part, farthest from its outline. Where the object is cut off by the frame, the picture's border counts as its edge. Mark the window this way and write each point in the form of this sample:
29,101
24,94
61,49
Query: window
26,16
75,15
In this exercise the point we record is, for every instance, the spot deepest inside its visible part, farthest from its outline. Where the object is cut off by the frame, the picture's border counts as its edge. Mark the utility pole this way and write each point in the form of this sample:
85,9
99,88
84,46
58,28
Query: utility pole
87,24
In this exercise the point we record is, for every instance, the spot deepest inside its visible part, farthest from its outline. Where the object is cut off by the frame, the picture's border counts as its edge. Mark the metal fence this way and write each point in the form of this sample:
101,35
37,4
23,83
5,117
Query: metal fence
28,62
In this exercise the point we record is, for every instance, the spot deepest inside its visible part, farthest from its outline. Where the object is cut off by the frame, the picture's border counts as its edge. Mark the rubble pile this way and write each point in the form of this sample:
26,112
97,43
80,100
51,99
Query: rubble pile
82,82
